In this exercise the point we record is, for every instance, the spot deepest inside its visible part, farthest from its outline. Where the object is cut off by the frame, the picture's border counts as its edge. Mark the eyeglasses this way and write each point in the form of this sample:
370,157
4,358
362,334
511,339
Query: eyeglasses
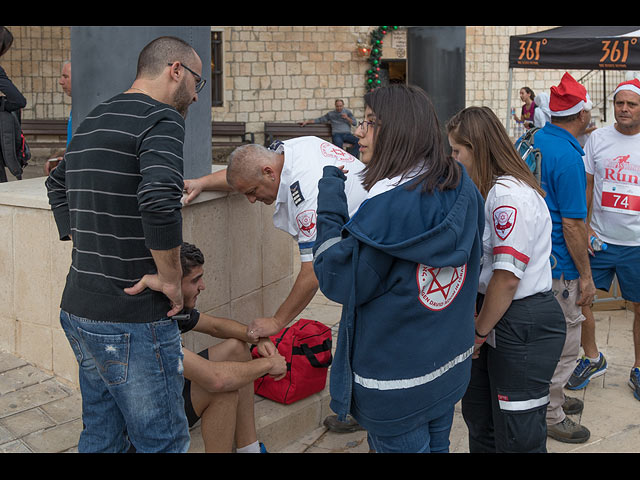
365,126
200,82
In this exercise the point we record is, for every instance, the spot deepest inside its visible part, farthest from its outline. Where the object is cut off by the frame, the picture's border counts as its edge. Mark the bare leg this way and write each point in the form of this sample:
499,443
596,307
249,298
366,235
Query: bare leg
218,413
588,335
240,414
636,333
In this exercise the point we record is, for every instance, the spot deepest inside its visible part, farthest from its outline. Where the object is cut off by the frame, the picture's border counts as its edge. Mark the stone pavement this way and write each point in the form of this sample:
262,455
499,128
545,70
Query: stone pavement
39,413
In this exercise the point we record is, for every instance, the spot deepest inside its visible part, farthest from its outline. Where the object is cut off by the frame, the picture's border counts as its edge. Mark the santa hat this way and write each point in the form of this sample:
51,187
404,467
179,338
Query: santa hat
569,97
633,85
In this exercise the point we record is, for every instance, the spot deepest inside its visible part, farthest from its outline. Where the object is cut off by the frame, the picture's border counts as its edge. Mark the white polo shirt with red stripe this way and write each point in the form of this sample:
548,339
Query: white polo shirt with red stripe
614,161
517,237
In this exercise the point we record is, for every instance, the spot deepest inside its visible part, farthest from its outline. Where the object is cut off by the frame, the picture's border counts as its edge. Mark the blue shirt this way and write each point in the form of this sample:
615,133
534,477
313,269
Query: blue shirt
564,180
69,130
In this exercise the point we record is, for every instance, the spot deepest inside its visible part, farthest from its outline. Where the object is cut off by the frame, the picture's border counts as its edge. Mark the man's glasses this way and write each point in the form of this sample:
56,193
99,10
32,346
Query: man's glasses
200,82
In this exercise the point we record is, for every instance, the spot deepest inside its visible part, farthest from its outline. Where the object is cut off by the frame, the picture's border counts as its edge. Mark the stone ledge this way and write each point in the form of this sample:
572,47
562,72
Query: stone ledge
32,193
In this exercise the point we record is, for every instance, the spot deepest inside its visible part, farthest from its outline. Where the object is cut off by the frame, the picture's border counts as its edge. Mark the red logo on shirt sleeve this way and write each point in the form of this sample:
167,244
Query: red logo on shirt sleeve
504,219
307,222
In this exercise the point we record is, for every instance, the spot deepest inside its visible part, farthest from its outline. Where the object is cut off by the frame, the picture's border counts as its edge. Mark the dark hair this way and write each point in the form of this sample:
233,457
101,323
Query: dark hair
408,137
565,118
530,92
190,256
6,40
153,58
494,155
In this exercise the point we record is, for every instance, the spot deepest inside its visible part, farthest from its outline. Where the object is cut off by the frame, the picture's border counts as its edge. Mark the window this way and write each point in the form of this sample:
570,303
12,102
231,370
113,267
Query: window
217,92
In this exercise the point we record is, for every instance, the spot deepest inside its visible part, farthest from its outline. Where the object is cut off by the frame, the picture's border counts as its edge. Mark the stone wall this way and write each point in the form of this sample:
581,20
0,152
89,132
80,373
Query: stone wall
249,269
34,63
283,74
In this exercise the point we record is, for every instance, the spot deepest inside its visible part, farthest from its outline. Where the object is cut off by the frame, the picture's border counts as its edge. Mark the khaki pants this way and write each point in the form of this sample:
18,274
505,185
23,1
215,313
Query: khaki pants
567,363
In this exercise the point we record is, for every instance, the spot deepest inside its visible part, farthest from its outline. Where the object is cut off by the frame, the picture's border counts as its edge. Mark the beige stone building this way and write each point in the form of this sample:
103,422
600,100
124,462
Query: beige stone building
285,73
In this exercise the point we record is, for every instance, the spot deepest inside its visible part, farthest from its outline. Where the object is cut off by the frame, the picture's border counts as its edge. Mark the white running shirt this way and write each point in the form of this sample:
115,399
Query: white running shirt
614,161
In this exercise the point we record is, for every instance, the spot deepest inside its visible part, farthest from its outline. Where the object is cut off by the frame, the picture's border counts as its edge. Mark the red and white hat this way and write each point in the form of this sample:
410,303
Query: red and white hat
568,97
632,85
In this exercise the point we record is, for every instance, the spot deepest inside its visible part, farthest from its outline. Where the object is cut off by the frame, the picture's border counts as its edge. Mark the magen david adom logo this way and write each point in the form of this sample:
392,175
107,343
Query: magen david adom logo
439,286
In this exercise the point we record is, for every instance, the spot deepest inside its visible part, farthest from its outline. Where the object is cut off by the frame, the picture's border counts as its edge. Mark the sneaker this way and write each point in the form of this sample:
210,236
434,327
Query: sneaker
585,371
634,382
335,425
572,406
567,431
263,449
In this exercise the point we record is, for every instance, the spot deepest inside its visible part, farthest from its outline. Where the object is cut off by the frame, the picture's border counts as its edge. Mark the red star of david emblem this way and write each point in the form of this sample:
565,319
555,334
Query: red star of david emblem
436,286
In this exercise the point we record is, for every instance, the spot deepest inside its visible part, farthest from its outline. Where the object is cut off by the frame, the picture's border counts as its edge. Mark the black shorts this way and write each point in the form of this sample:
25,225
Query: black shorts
192,416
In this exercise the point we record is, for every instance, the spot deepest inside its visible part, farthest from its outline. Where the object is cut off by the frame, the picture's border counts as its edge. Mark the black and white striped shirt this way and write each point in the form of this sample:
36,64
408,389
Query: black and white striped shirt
117,193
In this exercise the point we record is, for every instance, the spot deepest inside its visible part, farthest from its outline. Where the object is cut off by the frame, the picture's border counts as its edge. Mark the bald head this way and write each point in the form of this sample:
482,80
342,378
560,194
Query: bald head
247,163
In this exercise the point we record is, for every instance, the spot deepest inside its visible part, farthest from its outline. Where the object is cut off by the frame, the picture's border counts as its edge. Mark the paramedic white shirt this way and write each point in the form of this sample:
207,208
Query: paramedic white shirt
296,202
614,161
517,237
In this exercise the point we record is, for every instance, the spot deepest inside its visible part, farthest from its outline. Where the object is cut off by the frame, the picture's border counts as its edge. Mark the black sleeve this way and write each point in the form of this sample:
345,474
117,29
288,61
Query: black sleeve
187,319
15,99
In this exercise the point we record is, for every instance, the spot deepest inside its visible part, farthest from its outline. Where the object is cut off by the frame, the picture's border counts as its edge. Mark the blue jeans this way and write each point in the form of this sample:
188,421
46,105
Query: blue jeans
338,139
131,383
432,437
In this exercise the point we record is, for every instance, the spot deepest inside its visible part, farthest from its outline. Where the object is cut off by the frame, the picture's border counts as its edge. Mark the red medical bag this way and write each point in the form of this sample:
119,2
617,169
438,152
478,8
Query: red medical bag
306,346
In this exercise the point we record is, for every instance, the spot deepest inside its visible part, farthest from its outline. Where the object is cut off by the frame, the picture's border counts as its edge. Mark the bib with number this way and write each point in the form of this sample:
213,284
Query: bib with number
621,198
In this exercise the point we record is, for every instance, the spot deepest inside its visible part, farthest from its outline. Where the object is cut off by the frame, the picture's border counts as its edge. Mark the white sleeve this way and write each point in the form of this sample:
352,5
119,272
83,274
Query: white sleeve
510,234
303,219
589,167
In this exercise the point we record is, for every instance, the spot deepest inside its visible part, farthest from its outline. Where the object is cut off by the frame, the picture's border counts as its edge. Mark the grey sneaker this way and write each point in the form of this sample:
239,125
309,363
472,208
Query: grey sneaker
585,371
634,382
572,406
567,431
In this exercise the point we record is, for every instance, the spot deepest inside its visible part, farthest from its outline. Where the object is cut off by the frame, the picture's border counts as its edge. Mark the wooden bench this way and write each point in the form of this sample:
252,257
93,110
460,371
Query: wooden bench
33,128
44,127
230,130
283,131
234,133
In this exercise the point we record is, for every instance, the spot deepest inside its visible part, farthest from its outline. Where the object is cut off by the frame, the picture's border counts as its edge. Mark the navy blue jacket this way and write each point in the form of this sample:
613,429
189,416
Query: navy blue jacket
405,268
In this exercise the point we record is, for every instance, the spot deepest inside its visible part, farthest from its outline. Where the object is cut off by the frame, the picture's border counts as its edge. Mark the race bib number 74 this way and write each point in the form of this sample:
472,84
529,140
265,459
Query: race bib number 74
621,198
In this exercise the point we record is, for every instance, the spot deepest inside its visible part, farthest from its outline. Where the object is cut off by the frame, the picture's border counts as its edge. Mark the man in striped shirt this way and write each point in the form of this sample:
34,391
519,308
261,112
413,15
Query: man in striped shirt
116,195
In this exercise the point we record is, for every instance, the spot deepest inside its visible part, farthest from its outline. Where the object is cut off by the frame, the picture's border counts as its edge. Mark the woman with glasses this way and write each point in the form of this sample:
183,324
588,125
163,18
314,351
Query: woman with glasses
405,268
520,328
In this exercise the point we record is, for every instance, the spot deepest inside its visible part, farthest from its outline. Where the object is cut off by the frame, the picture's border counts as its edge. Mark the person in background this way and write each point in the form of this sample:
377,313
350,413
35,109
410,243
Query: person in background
12,99
520,328
528,108
563,179
341,120
65,82
612,162
15,100
541,114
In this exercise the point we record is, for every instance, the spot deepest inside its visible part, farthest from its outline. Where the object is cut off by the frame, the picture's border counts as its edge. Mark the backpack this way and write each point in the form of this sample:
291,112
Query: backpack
14,150
529,153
